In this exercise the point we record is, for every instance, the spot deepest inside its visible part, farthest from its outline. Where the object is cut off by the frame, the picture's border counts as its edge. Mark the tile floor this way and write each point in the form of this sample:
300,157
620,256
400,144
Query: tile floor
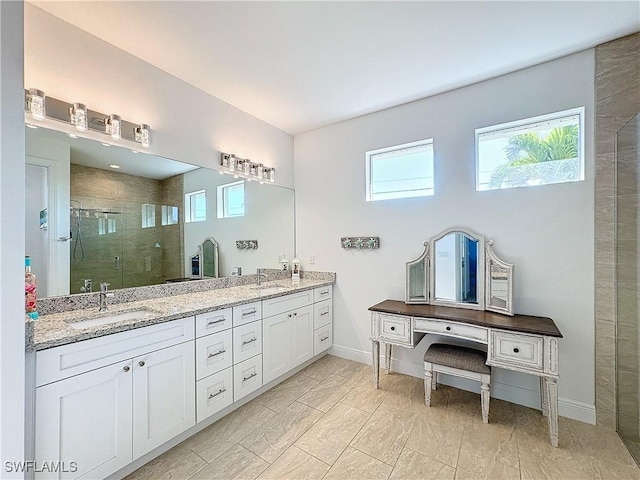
328,422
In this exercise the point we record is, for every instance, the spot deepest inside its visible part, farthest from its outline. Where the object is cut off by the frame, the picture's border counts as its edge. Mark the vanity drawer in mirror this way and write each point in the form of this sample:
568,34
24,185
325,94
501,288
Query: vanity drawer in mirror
213,353
452,329
516,349
322,313
322,293
395,328
247,313
247,341
213,322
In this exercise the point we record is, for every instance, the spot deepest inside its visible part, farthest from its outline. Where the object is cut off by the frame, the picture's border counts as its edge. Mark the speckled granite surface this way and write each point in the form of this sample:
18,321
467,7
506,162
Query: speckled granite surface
53,329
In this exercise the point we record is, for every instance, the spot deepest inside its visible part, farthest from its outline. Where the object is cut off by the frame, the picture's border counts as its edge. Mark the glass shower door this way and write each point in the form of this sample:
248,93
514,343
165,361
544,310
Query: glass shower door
627,290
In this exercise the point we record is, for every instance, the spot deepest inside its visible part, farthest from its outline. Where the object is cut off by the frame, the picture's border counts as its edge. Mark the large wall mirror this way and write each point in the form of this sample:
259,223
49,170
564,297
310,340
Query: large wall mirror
458,268
97,213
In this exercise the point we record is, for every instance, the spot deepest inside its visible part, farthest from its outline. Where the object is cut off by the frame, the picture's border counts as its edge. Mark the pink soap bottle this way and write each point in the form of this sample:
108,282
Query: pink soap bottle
30,287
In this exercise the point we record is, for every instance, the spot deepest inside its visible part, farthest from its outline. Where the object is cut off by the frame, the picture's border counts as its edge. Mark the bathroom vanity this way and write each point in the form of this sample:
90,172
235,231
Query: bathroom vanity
108,393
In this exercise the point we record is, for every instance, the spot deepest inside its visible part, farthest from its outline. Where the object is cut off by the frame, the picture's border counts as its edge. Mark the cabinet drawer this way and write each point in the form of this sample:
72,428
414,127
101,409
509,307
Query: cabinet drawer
322,313
213,353
213,322
274,306
247,377
395,328
214,393
247,313
322,338
322,293
516,350
453,329
67,360
247,341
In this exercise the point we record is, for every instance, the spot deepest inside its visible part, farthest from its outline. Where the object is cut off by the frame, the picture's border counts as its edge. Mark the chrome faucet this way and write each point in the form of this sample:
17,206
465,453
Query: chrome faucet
104,293
259,276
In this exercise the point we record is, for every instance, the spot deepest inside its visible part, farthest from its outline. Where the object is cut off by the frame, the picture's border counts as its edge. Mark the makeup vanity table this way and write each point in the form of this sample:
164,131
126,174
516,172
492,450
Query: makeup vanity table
469,298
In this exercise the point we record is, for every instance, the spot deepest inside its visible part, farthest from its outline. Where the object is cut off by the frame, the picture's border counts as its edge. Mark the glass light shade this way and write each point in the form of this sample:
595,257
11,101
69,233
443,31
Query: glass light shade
143,135
246,166
232,162
36,104
114,125
79,116
272,174
260,171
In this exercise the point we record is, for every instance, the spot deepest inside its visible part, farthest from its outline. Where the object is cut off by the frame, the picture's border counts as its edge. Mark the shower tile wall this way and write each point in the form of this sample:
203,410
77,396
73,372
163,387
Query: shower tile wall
141,261
617,101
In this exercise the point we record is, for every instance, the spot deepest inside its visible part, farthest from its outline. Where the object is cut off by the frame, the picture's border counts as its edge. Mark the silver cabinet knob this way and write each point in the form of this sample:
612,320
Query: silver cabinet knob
141,363
126,368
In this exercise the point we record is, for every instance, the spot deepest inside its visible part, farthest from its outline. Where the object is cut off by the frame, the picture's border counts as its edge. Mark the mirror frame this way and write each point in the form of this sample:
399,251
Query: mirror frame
199,256
424,294
507,270
480,271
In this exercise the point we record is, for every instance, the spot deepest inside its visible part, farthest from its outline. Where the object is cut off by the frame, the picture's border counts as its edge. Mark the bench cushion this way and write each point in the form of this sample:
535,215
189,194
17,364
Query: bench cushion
454,356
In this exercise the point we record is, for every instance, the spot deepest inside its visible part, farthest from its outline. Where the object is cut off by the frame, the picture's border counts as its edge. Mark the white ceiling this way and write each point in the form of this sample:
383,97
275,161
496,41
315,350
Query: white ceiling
303,65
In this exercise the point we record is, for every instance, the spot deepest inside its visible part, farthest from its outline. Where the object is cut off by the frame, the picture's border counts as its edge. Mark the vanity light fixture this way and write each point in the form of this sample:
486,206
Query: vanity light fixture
36,104
114,126
247,169
78,115
113,165
41,107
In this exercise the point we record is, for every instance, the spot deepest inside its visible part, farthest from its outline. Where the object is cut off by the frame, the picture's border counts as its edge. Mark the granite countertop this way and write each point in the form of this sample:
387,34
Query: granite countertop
53,330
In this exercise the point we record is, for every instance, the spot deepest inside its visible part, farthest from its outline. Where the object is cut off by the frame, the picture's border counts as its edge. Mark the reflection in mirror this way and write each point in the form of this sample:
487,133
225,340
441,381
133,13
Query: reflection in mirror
417,287
210,258
126,226
456,268
499,283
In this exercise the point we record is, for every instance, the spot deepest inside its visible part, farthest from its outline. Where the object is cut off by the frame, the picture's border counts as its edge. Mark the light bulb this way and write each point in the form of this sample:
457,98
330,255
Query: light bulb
78,113
114,125
36,103
142,134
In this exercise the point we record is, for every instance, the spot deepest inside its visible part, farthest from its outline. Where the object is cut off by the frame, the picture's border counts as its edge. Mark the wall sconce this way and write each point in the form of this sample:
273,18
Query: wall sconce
41,107
114,126
36,105
360,242
247,168
246,244
78,115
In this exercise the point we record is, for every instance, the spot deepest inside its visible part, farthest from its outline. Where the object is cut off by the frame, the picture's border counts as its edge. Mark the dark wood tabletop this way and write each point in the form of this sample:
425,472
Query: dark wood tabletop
517,323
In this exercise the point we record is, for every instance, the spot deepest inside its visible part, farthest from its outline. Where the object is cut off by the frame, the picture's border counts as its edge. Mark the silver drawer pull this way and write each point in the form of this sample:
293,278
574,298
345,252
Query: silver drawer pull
217,353
247,342
326,292
215,322
254,374
213,395
324,313
252,312
324,338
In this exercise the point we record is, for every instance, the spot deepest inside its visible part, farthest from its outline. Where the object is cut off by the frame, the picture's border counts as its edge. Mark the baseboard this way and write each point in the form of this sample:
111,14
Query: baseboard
582,412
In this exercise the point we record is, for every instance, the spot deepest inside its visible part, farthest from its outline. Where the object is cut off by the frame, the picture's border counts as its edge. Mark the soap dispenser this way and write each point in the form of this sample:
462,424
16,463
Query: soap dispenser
295,271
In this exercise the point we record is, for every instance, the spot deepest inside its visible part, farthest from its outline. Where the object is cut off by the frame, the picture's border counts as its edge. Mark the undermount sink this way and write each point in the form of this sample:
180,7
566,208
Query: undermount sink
267,289
111,318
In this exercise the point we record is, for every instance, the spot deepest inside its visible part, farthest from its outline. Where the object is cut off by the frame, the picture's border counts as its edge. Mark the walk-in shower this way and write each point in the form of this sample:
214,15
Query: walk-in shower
627,289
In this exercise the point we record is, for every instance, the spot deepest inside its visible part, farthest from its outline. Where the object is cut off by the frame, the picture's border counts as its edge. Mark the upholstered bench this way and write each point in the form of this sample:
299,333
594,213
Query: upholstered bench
459,361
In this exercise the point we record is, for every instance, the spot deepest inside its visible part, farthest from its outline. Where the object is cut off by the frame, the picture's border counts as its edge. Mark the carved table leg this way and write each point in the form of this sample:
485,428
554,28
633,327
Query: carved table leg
552,402
544,405
375,347
387,357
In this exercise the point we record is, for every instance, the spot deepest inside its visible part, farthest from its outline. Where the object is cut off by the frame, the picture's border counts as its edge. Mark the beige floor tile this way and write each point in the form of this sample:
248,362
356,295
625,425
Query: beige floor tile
284,394
322,368
364,396
179,462
236,464
489,441
437,437
216,439
415,466
328,438
598,442
383,436
534,465
354,370
327,393
355,465
608,470
294,464
274,437
405,395
474,465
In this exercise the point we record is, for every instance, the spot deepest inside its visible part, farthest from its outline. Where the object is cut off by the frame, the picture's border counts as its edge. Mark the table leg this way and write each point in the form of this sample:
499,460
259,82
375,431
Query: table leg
552,403
375,347
544,405
387,357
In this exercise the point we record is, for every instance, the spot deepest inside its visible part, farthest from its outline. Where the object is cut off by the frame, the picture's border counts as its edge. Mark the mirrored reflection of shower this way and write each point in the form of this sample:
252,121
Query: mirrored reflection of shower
106,224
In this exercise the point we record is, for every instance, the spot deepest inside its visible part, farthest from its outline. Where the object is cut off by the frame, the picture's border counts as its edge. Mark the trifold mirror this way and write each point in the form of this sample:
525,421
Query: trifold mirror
457,268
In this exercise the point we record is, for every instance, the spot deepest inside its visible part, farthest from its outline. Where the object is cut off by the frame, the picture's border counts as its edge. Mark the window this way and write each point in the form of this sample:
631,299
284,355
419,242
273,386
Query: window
231,200
106,225
535,151
148,215
195,206
169,215
401,171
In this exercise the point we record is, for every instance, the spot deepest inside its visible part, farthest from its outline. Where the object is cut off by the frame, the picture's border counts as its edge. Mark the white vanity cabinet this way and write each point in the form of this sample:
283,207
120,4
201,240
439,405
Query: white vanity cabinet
322,319
106,401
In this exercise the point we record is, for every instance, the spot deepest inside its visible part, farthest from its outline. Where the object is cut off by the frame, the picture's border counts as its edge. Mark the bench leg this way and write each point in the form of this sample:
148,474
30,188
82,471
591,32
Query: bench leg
428,379
434,381
485,396
387,357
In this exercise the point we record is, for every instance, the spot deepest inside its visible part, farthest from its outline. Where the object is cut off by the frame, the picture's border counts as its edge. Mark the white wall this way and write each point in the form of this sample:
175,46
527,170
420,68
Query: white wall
36,239
186,124
12,190
547,231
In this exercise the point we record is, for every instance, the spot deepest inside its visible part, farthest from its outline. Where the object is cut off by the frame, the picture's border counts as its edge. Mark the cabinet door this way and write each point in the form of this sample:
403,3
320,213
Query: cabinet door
301,335
276,346
86,419
163,396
